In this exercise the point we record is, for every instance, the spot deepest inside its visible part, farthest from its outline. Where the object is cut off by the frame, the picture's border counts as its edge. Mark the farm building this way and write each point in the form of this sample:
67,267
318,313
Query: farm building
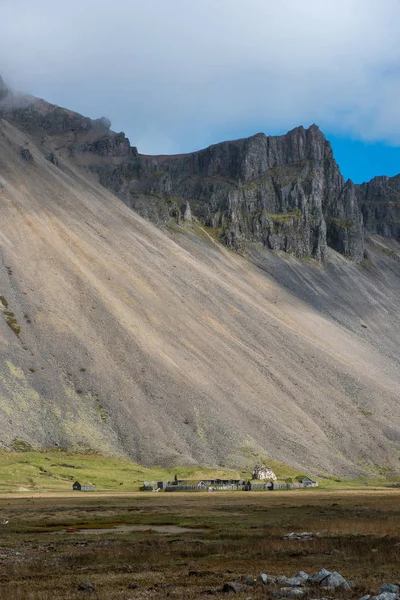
78,487
307,482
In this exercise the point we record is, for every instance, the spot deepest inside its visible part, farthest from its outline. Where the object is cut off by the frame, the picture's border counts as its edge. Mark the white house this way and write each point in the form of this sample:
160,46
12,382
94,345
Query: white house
263,472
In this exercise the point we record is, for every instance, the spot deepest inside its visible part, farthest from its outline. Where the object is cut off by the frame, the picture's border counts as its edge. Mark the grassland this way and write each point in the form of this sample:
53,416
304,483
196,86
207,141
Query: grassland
55,471
236,535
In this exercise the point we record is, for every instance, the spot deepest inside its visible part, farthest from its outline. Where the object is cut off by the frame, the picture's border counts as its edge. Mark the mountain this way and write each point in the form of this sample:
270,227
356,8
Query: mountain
164,344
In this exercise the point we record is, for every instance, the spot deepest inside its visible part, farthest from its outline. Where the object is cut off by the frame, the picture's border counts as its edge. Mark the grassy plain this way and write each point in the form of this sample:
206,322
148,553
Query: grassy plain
55,471
237,535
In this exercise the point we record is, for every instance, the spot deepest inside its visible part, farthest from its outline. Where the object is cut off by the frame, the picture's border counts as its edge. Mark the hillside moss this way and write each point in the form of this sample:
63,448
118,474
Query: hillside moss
12,322
341,223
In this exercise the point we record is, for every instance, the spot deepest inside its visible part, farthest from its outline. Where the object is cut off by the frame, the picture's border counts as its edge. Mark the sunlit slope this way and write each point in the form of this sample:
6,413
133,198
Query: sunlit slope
169,348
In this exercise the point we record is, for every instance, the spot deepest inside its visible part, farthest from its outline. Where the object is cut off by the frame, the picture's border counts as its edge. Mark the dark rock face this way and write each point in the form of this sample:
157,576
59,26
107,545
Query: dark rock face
380,205
285,192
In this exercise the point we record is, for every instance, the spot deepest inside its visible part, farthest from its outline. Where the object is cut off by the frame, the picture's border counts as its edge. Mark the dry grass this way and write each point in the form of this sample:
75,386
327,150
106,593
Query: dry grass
239,535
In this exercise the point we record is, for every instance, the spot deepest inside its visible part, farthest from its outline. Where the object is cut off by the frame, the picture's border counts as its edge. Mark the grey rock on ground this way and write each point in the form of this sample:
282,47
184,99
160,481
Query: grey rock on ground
389,587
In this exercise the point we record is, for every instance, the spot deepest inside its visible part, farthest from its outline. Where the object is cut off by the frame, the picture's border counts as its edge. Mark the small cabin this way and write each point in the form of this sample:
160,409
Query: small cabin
307,482
78,487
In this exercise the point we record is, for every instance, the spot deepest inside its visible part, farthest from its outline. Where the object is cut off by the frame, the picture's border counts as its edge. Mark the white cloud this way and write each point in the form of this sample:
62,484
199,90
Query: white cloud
178,74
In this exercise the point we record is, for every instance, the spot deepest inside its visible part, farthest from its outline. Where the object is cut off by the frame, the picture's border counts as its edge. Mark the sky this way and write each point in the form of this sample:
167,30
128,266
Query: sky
179,75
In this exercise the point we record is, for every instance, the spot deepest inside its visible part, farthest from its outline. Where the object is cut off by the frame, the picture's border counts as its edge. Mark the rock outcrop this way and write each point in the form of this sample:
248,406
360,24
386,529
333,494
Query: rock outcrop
379,200
285,192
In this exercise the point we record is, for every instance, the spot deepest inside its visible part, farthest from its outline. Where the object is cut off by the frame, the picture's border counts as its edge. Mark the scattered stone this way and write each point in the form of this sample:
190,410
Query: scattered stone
392,588
303,576
366,597
304,536
86,587
233,586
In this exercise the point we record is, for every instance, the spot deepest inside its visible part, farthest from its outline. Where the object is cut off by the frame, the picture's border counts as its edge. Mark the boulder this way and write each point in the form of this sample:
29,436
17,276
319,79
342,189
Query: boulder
335,580
233,586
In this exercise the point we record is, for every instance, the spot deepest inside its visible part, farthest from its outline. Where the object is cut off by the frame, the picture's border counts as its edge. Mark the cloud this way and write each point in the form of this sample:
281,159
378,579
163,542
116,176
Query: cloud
179,74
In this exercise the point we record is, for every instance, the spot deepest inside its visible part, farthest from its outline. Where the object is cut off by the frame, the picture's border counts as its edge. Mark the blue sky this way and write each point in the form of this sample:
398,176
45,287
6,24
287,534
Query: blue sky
360,161
179,75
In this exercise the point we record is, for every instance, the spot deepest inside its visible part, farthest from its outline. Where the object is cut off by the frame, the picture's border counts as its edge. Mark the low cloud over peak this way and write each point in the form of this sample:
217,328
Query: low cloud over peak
183,74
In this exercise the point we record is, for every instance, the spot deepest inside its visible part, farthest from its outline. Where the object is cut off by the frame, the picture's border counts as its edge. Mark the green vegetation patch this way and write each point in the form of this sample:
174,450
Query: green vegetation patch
341,223
21,446
4,301
12,322
283,217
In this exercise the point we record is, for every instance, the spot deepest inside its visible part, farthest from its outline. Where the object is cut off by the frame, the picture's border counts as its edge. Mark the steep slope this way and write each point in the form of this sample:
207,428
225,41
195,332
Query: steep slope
166,346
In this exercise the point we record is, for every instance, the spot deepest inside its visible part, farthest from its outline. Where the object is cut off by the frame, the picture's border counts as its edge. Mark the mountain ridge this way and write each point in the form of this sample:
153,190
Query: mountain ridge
319,209
164,345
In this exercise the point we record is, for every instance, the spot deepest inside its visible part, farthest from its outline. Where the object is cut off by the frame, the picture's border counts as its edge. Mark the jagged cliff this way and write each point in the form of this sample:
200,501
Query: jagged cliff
286,191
